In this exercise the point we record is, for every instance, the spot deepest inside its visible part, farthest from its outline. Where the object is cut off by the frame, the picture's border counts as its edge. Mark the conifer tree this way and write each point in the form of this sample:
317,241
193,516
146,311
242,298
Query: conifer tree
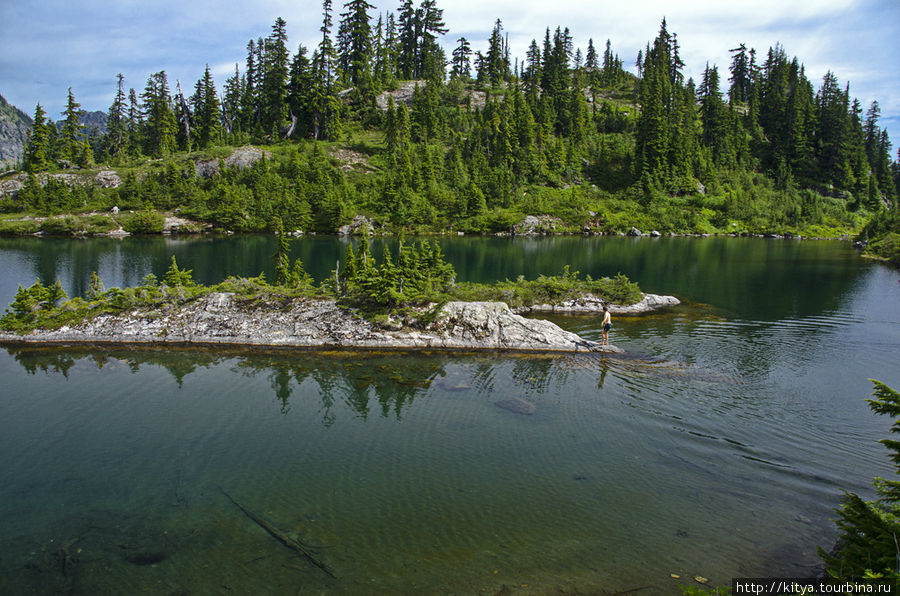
159,126
325,108
72,141
206,110
37,145
282,257
431,60
117,120
408,32
868,530
273,80
231,102
355,43
462,63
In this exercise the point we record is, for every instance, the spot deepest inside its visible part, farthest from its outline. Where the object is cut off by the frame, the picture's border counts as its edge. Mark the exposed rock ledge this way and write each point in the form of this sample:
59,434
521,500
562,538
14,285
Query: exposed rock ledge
221,318
589,304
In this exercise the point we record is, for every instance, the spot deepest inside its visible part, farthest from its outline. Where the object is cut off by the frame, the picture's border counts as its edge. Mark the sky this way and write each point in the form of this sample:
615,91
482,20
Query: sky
47,46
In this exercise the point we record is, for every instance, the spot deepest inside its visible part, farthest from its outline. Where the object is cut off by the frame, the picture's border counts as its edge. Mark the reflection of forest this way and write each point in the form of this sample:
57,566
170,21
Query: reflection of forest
384,382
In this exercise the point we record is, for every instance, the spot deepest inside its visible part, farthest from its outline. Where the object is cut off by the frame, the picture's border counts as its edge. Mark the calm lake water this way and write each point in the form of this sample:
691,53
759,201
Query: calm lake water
719,446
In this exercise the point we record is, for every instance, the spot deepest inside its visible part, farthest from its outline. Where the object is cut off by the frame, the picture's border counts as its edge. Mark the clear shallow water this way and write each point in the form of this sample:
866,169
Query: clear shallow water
718,447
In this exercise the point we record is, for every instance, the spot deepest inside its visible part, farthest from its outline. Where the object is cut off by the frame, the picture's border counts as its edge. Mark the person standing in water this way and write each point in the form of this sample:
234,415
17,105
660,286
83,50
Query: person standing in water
607,324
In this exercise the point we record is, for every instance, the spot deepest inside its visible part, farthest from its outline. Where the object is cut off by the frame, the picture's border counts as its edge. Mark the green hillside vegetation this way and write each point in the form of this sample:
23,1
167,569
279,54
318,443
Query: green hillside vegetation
479,142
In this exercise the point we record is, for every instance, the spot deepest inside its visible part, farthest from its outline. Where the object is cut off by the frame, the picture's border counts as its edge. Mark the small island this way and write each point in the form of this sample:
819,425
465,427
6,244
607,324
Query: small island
407,300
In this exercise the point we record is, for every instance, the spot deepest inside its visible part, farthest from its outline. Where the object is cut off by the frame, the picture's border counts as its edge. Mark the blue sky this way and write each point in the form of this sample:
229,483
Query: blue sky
50,45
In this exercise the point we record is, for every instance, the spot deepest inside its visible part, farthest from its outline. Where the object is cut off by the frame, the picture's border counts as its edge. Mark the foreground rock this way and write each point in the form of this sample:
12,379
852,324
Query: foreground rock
591,305
222,318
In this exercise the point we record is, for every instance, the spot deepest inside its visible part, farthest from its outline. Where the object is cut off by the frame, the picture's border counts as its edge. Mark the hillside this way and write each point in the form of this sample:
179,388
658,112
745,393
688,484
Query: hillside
567,141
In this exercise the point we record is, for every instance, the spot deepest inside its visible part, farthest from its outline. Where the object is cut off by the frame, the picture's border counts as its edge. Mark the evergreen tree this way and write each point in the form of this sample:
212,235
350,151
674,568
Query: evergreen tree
37,145
408,33
206,110
741,75
231,102
325,108
355,45
72,142
282,257
494,59
868,530
249,111
300,93
431,59
273,80
159,126
117,121
462,63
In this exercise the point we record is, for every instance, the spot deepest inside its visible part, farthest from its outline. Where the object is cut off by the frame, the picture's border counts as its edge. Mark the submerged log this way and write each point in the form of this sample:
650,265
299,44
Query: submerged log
288,541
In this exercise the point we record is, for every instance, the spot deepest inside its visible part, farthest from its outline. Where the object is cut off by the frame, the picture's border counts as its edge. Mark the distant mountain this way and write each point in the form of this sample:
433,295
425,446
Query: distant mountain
14,127
94,123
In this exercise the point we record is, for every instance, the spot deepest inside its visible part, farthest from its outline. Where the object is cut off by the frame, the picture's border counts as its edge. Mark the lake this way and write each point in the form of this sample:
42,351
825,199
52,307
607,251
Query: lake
718,446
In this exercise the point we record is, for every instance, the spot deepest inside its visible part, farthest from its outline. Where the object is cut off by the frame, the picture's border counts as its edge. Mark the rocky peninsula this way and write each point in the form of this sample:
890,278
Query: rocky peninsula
222,318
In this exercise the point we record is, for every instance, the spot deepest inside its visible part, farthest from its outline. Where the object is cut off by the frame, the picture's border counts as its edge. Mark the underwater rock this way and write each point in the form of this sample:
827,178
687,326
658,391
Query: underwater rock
517,406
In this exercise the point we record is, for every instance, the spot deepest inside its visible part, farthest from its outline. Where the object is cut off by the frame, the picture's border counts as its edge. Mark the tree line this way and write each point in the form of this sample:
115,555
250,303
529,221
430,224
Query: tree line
485,132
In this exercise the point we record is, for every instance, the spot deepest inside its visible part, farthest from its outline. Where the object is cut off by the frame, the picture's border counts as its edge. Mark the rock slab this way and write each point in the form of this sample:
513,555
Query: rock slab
223,318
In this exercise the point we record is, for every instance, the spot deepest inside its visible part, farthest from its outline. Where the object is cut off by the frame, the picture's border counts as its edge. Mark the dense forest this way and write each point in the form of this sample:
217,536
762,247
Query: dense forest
481,139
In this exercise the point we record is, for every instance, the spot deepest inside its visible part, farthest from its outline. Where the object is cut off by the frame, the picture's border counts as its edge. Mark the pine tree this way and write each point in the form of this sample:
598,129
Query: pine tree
324,105
37,145
462,63
117,121
206,110
408,33
300,93
282,257
159,126
431,60
273,80
72,141
741,75
868,530
231,102
355,45
494,59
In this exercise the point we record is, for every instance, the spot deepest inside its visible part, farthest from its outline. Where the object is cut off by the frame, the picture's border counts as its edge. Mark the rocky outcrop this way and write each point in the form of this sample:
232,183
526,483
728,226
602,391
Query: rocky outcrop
223,318
11,185
239,158
592,305
359,226
14,127
107,179
537,225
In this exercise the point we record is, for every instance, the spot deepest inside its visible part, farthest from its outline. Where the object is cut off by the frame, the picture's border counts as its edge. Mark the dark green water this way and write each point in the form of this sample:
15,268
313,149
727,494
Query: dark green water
719,447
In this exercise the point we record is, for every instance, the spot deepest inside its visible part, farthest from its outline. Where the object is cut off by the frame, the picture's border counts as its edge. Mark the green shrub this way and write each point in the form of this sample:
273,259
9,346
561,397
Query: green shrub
144,222
60,226
887,247
19,227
